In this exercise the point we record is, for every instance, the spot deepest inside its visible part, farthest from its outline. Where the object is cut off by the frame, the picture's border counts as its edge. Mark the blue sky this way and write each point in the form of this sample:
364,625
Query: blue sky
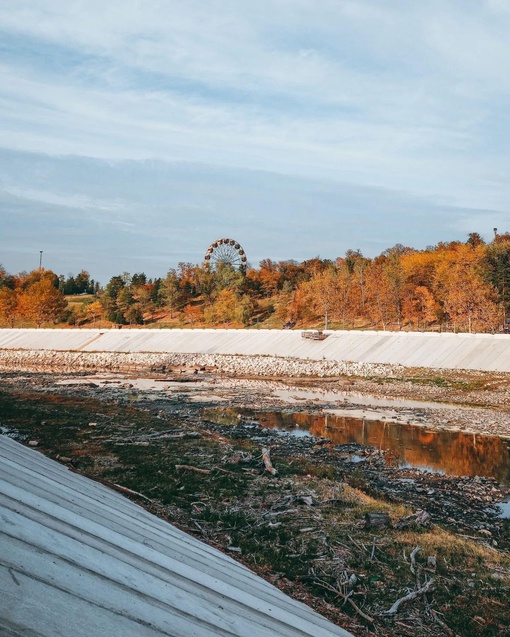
134,134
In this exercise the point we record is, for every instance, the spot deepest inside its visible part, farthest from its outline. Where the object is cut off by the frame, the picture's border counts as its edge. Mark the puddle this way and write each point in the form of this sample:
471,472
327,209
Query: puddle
139,383
296,395
451,452
504,508
207,390
402,433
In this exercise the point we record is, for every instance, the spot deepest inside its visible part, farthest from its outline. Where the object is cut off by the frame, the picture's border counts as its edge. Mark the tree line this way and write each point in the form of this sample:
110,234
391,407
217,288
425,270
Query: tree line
458,286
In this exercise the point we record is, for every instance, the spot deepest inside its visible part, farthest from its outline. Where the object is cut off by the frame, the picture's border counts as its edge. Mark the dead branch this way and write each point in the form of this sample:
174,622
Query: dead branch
275,514
117,487
188,467
420,518
346,598
267,462
359,545
413,560
407,598
127,491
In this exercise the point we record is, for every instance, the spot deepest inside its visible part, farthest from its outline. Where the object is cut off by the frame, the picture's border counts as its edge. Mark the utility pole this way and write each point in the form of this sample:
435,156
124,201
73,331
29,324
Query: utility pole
40,259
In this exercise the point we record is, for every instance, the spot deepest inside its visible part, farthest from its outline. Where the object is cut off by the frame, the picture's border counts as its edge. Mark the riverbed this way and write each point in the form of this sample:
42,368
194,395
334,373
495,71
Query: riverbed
429,435
188,444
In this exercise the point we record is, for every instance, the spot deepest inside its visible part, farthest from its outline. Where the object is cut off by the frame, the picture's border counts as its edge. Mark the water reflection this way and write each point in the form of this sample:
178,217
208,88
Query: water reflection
451,452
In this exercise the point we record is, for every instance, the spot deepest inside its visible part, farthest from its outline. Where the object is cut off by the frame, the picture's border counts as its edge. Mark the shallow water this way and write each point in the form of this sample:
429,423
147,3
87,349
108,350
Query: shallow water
295,395
451,452
377,423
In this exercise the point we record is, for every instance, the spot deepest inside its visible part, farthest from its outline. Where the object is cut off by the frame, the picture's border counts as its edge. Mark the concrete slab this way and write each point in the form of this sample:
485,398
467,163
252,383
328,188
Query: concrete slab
416,349
77,558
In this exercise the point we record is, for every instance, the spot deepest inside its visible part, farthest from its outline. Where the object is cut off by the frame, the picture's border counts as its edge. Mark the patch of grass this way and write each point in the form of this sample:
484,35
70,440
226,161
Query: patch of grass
436,381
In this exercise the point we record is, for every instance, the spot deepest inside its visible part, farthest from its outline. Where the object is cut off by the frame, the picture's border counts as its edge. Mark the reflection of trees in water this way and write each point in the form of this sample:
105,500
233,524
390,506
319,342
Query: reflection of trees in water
454,452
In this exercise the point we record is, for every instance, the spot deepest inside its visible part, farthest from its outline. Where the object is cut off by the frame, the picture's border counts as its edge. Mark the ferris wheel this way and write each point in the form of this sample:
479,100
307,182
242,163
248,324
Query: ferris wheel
225,252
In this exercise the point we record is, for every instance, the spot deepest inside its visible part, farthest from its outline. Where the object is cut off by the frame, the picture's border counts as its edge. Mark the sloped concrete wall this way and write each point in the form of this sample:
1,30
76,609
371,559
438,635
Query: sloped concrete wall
78,559
484,352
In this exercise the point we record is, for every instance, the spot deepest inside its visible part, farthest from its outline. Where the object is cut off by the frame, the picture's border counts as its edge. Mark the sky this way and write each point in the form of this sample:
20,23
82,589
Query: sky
134,134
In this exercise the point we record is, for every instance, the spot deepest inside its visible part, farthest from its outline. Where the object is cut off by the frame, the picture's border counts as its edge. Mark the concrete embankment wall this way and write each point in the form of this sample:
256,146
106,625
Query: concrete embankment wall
78,559
254,351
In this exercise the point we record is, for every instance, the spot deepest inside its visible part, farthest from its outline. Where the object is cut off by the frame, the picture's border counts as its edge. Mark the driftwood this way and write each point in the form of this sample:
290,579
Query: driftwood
267,462
407,598
188,467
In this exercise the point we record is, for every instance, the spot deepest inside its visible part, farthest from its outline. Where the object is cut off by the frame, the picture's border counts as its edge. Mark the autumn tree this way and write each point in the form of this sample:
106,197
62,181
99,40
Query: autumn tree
292,272
395,282
187,274
357,266
206,283
343,306
144,295
24,280
128,310
455,262
227,277
425,308
470,302
282,304
94,311
270,277
41,302
193,314
495,268
228,307
8,305
172,293
321,292
379,302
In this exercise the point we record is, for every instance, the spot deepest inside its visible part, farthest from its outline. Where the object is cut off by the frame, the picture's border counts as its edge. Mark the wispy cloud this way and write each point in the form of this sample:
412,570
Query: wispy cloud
173,211
409,99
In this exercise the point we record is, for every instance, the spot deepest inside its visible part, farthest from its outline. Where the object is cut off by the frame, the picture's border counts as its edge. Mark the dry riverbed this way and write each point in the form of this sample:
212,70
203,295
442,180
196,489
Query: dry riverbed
378,547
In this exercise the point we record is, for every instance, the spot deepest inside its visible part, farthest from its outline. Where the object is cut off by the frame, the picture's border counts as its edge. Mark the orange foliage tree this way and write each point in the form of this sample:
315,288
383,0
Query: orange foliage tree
470,302
41,302
9,305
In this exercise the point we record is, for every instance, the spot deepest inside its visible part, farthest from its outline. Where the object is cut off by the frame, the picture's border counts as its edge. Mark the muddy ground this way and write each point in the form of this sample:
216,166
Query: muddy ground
339,527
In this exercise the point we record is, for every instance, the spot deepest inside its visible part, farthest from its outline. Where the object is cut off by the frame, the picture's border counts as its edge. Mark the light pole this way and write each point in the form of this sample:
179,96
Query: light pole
40,259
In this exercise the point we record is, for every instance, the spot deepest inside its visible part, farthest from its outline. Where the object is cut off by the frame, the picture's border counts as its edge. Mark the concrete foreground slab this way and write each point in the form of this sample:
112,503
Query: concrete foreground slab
79,559
485,352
